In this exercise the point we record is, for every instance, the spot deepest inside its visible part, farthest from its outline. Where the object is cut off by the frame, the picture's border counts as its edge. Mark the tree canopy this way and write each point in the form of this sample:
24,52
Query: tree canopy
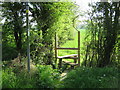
46,19
103,34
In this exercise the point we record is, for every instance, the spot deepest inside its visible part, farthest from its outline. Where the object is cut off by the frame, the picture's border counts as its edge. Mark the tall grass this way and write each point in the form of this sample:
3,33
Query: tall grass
84,77
43,77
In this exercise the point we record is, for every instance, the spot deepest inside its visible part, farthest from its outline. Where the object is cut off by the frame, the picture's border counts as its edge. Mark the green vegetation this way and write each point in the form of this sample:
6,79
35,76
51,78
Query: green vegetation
99,45
73,44
102,37
22,80
85,77
42,77
46,77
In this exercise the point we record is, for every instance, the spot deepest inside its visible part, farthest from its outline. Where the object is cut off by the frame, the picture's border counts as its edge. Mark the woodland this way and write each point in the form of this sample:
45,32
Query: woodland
29,58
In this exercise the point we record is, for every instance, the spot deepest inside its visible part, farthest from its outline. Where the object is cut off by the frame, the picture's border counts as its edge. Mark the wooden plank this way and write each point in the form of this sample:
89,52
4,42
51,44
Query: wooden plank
75,60
79,48
67,48
66,61
72,56
68,57
73,64
60,63
70,63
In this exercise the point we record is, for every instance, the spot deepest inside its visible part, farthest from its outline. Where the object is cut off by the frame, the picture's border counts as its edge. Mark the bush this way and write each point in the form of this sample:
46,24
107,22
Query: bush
6,52
47,77
21,80
43,77
92,78
9,79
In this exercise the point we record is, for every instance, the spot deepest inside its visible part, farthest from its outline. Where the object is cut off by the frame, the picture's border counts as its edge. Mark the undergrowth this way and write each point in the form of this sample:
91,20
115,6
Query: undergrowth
86,77
43,77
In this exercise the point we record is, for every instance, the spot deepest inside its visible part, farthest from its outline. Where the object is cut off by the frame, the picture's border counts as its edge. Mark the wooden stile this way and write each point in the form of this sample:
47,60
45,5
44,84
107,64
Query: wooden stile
72,56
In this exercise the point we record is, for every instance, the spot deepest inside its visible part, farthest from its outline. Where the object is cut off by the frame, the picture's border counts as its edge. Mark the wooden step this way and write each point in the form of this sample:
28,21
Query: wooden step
70,63
72,56
67,57
66,61
73,64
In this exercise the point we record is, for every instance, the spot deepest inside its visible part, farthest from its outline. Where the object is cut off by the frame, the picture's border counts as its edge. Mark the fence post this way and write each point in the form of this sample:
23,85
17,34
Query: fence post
78,48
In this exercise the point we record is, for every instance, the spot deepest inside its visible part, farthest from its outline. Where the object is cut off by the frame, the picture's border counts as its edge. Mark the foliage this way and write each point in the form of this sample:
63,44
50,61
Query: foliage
51,18
47,77
21,80
102,35
13,28
84,77
47,18
14,21
8,48
8,79
43,77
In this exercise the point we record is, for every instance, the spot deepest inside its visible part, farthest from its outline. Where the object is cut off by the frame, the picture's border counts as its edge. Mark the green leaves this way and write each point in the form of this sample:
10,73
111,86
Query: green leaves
102,34
43,77
85,77
47,77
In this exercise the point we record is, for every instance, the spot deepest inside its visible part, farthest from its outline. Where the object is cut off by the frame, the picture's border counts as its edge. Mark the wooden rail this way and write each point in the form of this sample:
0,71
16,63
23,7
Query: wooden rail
72,56
68,48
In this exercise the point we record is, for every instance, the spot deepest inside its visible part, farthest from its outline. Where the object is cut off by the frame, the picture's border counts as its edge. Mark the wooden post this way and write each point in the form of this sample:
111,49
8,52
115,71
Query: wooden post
60,63
55,49
75,60
78,48
72,67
